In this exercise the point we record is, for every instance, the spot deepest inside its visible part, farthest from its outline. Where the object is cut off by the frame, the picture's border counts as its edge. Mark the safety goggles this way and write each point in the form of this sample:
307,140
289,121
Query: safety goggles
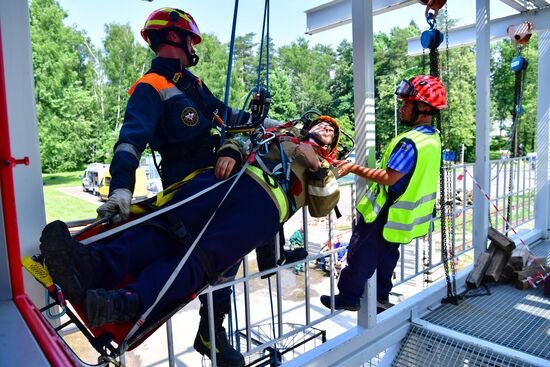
405,89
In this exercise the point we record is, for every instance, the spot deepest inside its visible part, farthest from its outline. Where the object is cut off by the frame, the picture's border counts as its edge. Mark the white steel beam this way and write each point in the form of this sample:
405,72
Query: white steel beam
542,195
338,12
363,76
466,35
483,124
519,5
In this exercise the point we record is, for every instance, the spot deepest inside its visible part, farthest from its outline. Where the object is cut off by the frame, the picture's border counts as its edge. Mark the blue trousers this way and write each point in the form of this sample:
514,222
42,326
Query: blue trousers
369,251
151,255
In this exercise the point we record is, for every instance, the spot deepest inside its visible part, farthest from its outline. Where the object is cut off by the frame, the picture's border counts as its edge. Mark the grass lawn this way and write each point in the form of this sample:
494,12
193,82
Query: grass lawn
61,206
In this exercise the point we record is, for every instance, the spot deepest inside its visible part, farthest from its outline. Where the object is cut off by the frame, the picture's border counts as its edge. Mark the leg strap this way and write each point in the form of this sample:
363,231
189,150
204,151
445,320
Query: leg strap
177,230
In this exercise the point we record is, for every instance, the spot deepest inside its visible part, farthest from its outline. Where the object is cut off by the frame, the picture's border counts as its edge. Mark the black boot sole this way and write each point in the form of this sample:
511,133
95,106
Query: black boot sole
57,249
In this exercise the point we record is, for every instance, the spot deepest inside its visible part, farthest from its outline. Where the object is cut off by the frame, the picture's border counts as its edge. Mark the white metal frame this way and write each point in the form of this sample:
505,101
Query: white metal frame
23,127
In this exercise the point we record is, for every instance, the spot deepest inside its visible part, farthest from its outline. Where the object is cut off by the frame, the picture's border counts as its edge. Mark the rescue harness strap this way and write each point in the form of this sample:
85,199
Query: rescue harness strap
124,344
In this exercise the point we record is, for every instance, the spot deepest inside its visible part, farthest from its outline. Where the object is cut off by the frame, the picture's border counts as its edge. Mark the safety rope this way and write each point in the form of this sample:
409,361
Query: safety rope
229,69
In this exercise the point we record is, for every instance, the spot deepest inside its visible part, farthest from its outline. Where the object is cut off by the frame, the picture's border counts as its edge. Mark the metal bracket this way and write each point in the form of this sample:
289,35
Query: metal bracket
12,162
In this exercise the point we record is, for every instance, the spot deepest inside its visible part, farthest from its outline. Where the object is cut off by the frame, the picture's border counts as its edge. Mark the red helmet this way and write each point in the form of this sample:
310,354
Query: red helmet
170,17
423,88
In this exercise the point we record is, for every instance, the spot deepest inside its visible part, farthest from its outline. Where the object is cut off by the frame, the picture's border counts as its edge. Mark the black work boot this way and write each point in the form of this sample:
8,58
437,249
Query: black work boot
383,304
72,265
108,307
226,355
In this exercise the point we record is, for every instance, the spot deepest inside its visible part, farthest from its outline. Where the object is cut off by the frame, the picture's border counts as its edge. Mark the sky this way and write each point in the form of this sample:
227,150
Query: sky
288,20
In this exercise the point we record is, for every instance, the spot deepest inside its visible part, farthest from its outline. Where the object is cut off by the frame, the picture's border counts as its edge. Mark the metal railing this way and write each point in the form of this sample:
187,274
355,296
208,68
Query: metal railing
291,330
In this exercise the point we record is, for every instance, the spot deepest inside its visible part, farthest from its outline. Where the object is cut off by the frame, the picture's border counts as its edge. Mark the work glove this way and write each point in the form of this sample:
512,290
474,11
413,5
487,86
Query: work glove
117,206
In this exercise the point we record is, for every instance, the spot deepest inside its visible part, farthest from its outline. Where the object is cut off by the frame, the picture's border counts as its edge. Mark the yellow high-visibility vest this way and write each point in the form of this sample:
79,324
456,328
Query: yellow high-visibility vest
410,215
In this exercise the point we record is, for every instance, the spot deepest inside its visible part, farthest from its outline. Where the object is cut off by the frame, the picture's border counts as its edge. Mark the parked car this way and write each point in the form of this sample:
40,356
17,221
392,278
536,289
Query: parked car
140,188
154,182
92,177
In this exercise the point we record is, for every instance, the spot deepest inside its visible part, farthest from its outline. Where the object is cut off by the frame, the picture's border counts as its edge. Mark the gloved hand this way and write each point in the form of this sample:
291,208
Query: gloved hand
118,205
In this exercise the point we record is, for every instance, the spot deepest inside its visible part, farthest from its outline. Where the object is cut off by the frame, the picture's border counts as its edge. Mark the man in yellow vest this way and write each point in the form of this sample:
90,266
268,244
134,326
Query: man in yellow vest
398,206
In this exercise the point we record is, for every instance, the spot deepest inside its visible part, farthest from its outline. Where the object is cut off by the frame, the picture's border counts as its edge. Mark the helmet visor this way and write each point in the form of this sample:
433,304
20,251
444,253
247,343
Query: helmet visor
405,89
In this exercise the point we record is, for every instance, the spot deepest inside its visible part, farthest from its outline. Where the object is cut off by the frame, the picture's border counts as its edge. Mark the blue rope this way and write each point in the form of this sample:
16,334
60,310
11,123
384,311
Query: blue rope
267,49
262,45
229,69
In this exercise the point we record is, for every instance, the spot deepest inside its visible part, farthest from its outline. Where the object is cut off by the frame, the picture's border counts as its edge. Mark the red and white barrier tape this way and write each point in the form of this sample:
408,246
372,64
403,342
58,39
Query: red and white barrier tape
533,281
460,177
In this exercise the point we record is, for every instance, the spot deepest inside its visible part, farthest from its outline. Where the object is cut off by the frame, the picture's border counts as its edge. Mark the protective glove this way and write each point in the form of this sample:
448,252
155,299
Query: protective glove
117,206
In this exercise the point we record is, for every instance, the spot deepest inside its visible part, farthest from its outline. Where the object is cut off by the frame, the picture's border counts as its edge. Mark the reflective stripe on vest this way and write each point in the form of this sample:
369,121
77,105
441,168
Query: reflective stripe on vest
165,88
278,193
326,190
410,215
408,205
374,207
409,227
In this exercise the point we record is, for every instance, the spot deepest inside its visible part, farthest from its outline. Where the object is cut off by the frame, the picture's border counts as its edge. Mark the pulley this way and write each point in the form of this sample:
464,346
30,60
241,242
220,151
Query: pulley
433,37
519,63
520,35
259,105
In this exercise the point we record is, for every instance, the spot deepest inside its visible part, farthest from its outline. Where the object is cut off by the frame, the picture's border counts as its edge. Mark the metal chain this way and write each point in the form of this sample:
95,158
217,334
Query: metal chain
447,142
518,96
444,183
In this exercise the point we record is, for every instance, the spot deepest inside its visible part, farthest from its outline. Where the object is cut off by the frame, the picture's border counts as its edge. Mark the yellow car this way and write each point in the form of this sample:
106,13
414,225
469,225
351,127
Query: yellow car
140,188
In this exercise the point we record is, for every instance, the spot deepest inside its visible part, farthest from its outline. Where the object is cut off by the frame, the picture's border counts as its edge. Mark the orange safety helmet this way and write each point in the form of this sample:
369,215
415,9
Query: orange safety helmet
423,88
166,18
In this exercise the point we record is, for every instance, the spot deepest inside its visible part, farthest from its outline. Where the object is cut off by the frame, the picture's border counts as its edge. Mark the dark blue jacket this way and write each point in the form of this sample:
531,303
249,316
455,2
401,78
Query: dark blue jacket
173,111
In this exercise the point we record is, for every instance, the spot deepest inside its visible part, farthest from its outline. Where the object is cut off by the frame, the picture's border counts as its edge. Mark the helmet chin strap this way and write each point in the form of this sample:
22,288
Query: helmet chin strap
193,58
416,113
319,142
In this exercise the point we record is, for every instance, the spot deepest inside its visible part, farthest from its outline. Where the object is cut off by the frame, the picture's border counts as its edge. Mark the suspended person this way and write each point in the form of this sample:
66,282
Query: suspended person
249,217
173,111
399,204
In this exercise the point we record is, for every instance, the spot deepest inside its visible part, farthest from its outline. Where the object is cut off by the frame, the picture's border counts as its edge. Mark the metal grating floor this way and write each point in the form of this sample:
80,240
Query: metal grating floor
425,348
515,319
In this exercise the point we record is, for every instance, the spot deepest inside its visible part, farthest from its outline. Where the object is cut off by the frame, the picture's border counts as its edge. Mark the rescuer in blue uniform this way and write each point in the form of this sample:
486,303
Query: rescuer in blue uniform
149,253
173,111
399,204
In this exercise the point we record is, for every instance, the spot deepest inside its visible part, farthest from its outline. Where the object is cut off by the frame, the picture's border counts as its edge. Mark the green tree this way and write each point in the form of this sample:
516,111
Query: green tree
341,86
309,71
245,60
65,104
282,106
124,61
